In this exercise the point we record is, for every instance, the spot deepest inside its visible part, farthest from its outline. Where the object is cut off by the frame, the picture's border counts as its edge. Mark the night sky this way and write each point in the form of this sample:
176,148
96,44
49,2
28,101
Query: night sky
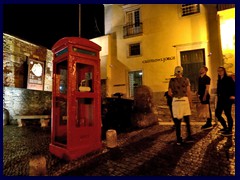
45,24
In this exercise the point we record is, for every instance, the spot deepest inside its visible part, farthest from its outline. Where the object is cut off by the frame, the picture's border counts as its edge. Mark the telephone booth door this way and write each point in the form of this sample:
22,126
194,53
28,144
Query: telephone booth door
76,98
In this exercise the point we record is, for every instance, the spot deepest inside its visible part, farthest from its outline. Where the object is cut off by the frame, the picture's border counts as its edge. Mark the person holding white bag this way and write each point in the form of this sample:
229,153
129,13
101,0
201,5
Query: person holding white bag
179,90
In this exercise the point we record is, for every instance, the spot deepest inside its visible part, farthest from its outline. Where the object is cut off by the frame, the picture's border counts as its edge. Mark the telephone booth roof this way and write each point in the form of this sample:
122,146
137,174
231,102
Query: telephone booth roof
75,41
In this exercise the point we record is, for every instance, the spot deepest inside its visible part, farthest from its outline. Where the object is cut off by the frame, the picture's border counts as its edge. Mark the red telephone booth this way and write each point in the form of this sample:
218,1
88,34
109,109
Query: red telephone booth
76,98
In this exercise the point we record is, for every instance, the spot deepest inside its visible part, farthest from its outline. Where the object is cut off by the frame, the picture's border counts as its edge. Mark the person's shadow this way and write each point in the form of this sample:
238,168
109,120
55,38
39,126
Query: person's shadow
217,158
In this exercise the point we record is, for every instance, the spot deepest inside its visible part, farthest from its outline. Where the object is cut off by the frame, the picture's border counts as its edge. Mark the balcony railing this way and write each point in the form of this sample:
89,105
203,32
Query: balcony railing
132,30
221,7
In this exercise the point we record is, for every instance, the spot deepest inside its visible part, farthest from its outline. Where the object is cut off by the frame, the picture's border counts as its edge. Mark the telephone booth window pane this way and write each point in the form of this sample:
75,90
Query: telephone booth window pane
61,106
85,112
63,81
61,77
61,119
84,78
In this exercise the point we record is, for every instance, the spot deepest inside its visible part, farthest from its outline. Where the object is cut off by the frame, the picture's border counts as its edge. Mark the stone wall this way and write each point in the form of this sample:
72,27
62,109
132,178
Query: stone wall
16,52
16,98
20,101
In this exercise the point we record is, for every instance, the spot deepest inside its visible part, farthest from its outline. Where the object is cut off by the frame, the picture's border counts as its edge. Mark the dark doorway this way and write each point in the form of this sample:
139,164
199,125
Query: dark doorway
191,62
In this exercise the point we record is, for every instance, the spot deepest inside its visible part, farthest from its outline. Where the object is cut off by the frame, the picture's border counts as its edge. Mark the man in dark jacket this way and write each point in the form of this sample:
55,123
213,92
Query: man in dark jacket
203,93
226,97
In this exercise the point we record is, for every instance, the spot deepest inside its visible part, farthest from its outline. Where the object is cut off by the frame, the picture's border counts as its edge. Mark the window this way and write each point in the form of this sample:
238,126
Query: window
134,49
188,9
221,7
135,80
133,25
133,17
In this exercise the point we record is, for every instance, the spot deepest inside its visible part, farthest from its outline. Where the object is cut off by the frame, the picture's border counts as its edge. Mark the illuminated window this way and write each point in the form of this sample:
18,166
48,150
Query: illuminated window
189,9
134,49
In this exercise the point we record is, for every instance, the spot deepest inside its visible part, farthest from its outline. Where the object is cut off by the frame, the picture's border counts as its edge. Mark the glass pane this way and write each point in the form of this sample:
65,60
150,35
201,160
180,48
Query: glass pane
134,49
63,81
137,18
188,9
61,77
135,80
61,106
85,112
60,116
85,77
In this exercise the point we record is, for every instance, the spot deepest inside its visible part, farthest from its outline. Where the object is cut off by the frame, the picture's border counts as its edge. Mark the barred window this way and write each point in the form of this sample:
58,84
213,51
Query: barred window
188,9
134,49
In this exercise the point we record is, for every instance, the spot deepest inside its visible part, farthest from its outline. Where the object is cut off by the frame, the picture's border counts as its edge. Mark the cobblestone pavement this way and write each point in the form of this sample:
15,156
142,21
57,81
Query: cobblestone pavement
145,152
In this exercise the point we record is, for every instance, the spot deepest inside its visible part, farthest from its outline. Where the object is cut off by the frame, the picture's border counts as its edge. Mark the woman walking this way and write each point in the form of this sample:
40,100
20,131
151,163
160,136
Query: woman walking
225,99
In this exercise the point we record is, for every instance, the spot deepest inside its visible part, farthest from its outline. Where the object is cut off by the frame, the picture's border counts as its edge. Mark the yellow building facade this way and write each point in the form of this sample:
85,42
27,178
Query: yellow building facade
144,42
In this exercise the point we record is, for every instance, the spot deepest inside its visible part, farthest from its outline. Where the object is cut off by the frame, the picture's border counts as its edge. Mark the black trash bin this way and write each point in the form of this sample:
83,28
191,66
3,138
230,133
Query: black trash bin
116,114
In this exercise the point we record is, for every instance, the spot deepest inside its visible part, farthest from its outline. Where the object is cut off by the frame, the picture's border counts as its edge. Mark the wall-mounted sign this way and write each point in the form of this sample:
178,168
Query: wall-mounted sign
160,59
35,74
